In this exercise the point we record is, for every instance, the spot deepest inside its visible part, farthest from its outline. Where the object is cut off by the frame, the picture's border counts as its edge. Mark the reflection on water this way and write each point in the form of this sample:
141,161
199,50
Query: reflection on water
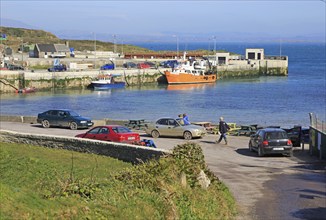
103,92
190,86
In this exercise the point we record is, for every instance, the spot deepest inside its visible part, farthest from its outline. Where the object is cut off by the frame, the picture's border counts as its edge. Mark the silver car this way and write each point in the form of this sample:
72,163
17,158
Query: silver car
171,127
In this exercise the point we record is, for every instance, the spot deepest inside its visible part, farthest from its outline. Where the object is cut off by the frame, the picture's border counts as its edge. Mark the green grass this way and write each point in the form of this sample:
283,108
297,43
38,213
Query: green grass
43,183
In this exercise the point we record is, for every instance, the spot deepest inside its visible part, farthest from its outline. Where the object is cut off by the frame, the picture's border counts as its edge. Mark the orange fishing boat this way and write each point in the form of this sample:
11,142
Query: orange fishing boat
189,74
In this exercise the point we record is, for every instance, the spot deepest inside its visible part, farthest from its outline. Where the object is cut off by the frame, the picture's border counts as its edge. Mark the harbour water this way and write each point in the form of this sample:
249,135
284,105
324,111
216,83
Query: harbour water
283,101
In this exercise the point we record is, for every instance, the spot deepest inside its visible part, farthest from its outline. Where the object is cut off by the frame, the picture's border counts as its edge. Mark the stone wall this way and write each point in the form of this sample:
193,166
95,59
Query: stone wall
44,80
125,152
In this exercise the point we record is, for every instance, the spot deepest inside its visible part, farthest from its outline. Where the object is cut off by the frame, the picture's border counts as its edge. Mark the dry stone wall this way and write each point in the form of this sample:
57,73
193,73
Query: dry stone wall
125,152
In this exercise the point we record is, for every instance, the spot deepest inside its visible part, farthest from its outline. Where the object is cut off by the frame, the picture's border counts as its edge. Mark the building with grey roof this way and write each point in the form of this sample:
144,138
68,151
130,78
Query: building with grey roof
51,50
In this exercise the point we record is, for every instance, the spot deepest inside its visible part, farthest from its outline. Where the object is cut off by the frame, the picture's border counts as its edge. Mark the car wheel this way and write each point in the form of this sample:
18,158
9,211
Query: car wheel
290,153
45,124
187,135
250,147
73,126
260,152
155,134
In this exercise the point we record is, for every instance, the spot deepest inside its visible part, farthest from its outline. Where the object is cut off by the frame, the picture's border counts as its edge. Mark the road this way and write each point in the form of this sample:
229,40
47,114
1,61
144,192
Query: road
271,187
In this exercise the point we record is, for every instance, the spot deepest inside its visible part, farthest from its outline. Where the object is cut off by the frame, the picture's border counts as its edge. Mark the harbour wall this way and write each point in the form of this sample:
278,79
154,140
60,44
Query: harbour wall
125,152
10,81
250,68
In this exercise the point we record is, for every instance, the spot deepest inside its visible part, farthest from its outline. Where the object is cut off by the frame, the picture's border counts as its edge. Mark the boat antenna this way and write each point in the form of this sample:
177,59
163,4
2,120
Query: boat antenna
184,55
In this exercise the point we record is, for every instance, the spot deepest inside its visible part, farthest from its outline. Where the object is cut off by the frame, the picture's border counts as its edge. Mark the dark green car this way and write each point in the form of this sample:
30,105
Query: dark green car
63,118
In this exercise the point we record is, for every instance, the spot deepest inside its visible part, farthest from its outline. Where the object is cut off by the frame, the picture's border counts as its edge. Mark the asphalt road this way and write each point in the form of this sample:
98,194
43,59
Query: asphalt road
271,187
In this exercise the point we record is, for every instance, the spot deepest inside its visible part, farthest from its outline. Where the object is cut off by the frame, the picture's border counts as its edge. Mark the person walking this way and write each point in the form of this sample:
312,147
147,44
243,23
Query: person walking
223,128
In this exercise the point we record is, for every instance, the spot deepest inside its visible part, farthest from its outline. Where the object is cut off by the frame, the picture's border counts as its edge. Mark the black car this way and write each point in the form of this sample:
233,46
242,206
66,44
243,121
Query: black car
129,65
271,141
14,67
63,118
58,68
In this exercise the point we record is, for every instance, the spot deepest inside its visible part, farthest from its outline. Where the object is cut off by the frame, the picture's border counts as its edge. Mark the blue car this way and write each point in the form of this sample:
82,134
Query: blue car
170,63
63,118
108,66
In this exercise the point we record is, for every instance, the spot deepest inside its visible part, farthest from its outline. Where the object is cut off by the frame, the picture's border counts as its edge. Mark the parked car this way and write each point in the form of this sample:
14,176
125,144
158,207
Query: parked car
58,68
151,64
14,67
63,118
271,141
114,133
129,65
172,127
298,135
169,63
143,66
108,66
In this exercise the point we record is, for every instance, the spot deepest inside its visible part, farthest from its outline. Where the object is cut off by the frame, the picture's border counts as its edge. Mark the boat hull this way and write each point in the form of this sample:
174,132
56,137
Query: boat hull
26,90
186,78
105,86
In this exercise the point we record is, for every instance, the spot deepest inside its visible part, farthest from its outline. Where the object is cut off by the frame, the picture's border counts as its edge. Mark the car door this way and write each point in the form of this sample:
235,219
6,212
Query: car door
162,126
52,117
123,134
63,118
174,128
103,134
93,133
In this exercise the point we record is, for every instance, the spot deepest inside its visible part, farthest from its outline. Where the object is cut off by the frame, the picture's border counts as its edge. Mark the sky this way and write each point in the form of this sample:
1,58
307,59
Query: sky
168,20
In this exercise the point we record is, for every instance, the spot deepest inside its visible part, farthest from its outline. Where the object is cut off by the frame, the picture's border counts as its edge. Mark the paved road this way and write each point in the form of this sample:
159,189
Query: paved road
272,187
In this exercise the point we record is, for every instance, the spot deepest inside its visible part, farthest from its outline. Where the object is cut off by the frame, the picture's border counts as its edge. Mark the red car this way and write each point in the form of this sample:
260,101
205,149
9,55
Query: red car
143,66
114,133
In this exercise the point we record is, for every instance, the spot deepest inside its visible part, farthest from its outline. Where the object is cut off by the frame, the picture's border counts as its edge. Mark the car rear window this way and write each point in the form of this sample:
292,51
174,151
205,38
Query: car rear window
276,135
121,130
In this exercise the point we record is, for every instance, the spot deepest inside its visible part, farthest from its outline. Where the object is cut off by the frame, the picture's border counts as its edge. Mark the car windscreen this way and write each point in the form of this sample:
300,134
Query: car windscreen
276,135
73,114
121,130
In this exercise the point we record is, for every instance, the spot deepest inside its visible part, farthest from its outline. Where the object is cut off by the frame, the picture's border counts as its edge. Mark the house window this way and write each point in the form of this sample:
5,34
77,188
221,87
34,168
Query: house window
251,56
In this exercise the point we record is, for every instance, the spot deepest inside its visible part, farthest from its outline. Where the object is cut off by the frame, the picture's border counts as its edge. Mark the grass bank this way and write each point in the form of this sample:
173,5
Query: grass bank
42,183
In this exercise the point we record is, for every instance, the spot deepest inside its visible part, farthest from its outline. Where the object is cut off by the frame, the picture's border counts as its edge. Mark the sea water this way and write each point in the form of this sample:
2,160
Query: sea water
280,101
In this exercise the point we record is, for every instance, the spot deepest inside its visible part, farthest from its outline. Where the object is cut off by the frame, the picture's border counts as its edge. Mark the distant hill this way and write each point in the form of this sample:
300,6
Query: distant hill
17,36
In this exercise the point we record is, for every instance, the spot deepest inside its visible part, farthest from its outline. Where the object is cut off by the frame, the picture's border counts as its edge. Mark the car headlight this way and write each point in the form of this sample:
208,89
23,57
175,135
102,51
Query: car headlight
83,121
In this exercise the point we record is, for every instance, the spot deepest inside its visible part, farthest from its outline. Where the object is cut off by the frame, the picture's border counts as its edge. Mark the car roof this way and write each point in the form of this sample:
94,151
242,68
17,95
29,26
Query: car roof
111,126
271,129
59,109
165,118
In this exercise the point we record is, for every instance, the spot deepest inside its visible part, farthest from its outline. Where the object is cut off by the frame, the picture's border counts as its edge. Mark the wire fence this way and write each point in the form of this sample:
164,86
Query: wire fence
317,123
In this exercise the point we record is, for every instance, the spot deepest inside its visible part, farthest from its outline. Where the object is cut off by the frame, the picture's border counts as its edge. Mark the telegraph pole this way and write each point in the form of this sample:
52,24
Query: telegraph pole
94,50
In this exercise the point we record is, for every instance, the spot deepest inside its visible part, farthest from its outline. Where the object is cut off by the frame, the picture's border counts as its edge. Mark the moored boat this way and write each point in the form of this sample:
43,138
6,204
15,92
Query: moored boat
107,81
26,90
190,73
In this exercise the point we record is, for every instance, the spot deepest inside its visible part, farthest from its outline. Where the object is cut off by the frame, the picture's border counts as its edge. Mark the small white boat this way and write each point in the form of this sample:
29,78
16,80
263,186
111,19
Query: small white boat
107,81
